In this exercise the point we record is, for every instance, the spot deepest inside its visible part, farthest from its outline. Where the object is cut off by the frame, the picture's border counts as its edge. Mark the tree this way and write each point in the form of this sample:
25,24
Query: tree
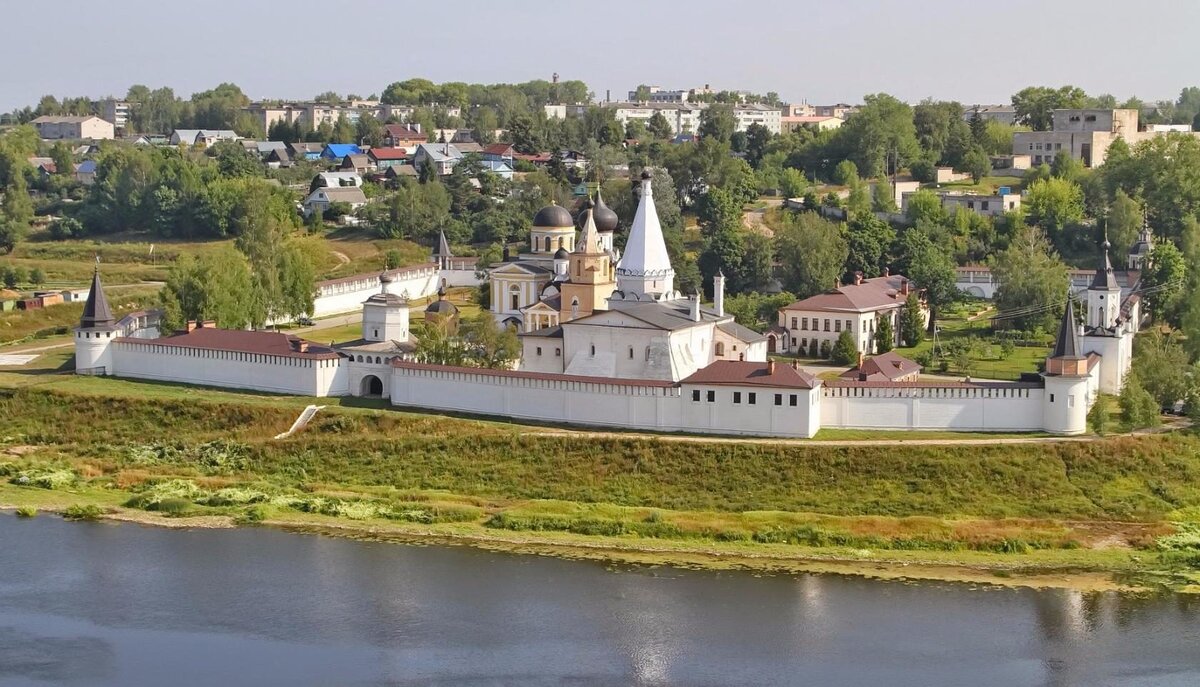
37,277
925,207
64,161
368,130
210,287
869,240
717,122
1097,417
659,127
1161,366
282,275
1035,105
13,276
1138,407
845,351
880,137
911,325
885,338
977,164
16,212
1164,279
812,253
438,342
344,131
413,211
488,344
1055,205
1124,222
1029,274
883,196
932,268
846,173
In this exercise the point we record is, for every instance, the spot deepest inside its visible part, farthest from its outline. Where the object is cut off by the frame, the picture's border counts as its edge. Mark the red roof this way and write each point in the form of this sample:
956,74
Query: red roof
498,149
404,132
889,366
928,384
242,341
536,158
870,294
519,374
388,153
741,373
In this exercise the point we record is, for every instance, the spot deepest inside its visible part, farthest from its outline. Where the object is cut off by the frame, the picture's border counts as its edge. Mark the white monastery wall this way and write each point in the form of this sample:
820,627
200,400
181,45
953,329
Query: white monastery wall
1016,408
343,296
276,374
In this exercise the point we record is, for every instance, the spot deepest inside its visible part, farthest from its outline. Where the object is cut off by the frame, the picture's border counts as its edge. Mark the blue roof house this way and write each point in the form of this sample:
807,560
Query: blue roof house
337,151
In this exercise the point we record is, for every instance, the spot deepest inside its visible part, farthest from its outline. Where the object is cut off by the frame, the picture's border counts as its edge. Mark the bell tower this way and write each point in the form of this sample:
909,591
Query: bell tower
1104,294
589,275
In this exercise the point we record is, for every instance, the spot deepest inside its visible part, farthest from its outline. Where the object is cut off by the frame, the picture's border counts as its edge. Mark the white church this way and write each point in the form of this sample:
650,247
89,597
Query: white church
607,341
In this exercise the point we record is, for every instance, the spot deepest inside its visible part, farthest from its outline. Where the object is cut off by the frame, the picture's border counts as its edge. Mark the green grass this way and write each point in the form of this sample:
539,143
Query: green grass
57,320
986,360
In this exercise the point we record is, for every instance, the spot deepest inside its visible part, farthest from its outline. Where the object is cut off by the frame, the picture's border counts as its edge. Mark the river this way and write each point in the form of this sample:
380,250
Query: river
108,604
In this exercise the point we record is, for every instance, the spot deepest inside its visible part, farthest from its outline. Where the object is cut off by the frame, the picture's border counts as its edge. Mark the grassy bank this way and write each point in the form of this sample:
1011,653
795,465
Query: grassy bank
1122,506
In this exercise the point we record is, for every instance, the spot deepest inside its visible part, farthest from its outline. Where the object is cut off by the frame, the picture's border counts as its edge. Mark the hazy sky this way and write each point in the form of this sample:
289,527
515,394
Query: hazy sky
968,50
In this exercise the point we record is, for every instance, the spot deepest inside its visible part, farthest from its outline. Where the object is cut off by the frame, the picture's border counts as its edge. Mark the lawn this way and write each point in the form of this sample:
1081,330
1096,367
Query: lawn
25,325
987,360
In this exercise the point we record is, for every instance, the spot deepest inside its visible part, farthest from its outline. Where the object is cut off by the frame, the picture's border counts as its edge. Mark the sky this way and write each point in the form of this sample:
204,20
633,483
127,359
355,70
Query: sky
833,50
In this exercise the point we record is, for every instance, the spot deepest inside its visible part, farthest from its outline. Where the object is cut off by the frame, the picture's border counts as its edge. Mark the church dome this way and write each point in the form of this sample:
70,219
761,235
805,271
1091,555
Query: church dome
562,254
604,217
553,216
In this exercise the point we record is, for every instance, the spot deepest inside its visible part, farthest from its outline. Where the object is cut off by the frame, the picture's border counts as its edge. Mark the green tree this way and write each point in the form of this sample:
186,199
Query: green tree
845,351
1164,280
368,130
717,122
1029,275
884,336
212,286
1035,105
812,253
932,268
344,131
911,324
846,173
64,161
37,277
438,342
1097,417
659,127
925,207
1138,407
880,137
977,164
869,240
488,344
1160,364
1055,205
16,212
1124,222
1066,166
282,275
883,196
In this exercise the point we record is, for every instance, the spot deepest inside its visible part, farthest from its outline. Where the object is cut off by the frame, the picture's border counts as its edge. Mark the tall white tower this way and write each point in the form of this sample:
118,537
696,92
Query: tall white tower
385,315
95,333
645,268
1104,295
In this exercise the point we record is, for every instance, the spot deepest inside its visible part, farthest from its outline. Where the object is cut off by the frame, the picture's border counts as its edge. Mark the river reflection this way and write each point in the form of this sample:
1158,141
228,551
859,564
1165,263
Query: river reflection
104,604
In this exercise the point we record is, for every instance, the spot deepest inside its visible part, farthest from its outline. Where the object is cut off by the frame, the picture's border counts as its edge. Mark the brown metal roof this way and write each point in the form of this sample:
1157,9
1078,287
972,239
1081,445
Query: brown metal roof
739,373
871,294
519,374
885,366
929,384
241,341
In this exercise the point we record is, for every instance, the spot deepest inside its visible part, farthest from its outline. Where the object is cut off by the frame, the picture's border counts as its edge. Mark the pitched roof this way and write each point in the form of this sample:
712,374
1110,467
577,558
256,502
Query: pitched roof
1067,343
243,341
741,373
440,151
86,167
443,247
344,194
871,294
1105,280
341,150
356,161
498,149
96,312
388,153
404,132
888,366
741,333
645,249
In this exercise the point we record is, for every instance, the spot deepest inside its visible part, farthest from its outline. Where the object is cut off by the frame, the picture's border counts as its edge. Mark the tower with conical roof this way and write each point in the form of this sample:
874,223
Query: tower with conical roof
1104,294
385,315
95,333
441,252
589,274
645,270
1066,397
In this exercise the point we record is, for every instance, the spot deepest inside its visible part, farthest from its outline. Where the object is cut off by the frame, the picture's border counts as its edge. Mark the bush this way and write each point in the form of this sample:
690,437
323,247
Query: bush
81,512
26,512
1138,407
45,479
923,171
825,349
173,506
1097,417
845,351
254,514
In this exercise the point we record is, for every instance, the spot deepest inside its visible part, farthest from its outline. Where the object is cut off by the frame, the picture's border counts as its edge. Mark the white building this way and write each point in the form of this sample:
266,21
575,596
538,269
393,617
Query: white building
53,127
811,326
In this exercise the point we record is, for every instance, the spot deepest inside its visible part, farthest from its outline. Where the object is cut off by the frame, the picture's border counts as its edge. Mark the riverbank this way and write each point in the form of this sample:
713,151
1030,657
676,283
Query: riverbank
1105,514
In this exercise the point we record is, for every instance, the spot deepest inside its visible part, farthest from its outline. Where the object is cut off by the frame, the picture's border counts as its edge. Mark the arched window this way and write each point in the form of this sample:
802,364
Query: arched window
359,359
720,348
562,242
593,350
647,354
547,244
575,311
631,352
514,295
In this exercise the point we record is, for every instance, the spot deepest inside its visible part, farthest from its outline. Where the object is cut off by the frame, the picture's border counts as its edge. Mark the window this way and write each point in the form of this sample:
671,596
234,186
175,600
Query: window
1052,398
827,324
547,244
970,205
648,353
712,396
1058,146
376,333
539,350
803,323
778,399
848,327
695,395
1090,118
752,398
1071,400
837,325
720,348
865,326
631,352
803,343
593,350
557,352
794,323
983,205
792,400
737,397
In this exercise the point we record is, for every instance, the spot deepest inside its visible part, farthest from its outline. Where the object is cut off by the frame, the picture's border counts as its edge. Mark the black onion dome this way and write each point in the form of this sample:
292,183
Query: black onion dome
606,220
561,254
553,216
441,307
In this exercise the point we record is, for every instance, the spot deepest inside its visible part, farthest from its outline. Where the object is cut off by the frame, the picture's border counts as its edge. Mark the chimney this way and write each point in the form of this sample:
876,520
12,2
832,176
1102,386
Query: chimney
608,96
418,127
904,287
860,360
796,365
191,325
770,367
858,277
694,303
719,293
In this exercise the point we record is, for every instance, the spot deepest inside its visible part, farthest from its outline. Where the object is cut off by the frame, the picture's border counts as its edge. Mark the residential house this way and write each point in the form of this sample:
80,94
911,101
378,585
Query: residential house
811,326
85,172
337,151
263,149
320,199
202,137
1005,114
280,157
54,127
498,152
406,136
791,123
359,163
453,136
503,169
149,140
400,171
336,180
305,150
840,110
443,156
755,113
115,112
383,158
44,166
469,148
573,159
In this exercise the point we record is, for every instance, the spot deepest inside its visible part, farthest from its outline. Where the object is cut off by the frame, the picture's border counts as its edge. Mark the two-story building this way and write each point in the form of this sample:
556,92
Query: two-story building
810,327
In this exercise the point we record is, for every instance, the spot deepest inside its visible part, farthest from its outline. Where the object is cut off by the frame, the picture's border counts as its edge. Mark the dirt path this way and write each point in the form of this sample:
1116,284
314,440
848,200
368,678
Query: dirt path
342,259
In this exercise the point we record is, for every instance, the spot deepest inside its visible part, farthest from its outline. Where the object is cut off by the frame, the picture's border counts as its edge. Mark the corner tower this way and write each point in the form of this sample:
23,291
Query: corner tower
645,268
95,333
1066,396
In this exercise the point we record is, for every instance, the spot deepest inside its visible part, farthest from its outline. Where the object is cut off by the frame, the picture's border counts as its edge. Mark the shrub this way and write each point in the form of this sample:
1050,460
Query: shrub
26,512
845,351
172,506
45,479
1138,407
254,514
82,512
